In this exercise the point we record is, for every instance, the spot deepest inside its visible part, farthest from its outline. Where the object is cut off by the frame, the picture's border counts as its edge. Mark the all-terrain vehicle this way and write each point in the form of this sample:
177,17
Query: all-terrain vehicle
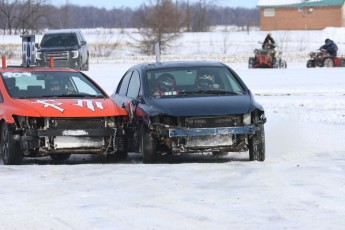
321,58
266,58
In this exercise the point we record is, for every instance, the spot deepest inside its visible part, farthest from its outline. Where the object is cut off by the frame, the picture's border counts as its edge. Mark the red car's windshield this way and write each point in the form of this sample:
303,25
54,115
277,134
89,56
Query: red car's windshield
46,84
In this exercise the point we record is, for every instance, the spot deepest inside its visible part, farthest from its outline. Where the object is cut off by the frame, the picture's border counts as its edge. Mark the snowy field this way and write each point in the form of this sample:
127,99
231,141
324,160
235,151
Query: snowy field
300,185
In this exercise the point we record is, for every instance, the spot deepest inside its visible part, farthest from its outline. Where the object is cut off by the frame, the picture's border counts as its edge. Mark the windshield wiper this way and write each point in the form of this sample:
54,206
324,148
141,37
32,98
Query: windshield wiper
210,92
82,95
223,92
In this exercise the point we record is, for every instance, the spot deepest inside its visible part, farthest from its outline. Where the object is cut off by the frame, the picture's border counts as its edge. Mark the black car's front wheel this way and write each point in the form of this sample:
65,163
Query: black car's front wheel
10,150
148,146
257,145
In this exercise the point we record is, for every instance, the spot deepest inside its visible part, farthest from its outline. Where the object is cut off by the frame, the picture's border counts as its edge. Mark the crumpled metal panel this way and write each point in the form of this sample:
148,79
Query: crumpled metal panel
212,131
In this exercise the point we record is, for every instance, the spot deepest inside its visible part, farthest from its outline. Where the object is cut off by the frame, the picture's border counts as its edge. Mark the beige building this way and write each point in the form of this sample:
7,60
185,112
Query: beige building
301,14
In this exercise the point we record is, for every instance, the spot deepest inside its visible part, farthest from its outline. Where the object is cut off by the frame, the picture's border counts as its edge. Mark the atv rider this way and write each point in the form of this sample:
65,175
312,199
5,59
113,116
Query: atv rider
330,47
269,42
270,45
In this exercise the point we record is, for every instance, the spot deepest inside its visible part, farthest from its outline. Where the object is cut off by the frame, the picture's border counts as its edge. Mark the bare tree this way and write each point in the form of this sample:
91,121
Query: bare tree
29,16
155,17
22,16
162,21
105,44
8,14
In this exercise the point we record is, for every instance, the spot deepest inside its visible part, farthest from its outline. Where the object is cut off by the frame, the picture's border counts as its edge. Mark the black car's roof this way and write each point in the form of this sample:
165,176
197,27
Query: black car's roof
177,64
63,31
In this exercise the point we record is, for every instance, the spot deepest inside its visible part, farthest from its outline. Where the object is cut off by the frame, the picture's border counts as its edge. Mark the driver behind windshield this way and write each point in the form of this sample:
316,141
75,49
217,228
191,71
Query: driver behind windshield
206,81
53,86
165,85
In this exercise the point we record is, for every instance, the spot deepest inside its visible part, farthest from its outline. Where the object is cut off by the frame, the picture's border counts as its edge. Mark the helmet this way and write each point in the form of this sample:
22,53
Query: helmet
166,82
53,85
327,40
205,80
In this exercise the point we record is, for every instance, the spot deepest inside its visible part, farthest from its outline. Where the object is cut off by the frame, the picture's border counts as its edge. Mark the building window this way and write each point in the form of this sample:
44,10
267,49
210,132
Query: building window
269,12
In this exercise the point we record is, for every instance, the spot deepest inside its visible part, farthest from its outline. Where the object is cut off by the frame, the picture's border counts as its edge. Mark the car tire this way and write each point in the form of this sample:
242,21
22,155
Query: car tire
60,156
86,68
257,145
10,149
80,64
148,146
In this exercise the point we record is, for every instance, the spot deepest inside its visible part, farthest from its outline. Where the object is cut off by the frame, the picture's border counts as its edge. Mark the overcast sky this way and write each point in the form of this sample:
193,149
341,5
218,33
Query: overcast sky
136,3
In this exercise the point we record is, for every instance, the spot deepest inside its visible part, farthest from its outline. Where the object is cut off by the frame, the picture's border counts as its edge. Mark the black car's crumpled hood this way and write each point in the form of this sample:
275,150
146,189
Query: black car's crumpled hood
200,106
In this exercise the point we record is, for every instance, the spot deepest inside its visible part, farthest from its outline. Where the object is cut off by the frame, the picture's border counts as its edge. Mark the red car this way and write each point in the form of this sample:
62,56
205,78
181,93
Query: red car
56,112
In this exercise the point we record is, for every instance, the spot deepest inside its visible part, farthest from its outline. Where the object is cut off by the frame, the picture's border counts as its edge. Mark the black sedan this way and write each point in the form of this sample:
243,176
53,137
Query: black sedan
180,107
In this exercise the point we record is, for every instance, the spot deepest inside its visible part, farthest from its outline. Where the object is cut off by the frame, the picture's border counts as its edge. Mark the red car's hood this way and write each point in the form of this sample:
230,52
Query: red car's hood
72,107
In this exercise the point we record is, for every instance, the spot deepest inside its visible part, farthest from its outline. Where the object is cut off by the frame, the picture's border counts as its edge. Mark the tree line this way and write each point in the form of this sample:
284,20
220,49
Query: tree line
161,16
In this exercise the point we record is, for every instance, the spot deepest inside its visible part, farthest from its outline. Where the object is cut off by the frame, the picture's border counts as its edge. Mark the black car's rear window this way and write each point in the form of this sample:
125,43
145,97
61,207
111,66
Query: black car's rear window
192,81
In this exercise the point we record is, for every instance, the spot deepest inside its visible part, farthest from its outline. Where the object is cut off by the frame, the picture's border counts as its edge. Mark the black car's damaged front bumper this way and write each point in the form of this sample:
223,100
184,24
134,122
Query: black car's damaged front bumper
207,139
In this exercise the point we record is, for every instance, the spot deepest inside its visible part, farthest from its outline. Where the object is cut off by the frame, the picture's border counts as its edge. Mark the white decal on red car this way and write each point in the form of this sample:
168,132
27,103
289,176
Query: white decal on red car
50,103
90,104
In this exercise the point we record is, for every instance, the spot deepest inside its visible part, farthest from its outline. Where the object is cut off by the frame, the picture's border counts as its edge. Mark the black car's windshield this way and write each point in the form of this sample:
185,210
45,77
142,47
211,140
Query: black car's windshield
50,84
195,81
59,40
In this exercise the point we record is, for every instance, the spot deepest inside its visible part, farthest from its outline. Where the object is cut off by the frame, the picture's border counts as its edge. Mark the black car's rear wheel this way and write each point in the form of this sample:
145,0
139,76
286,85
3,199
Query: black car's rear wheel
148,146
257,145
10,149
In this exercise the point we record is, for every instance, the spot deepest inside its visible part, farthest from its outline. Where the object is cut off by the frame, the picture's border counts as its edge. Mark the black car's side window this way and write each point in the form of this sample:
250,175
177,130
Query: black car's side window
123,86
134,85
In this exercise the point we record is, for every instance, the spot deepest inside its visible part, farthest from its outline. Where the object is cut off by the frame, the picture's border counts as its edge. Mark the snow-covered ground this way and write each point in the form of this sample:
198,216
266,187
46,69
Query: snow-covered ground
299,186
